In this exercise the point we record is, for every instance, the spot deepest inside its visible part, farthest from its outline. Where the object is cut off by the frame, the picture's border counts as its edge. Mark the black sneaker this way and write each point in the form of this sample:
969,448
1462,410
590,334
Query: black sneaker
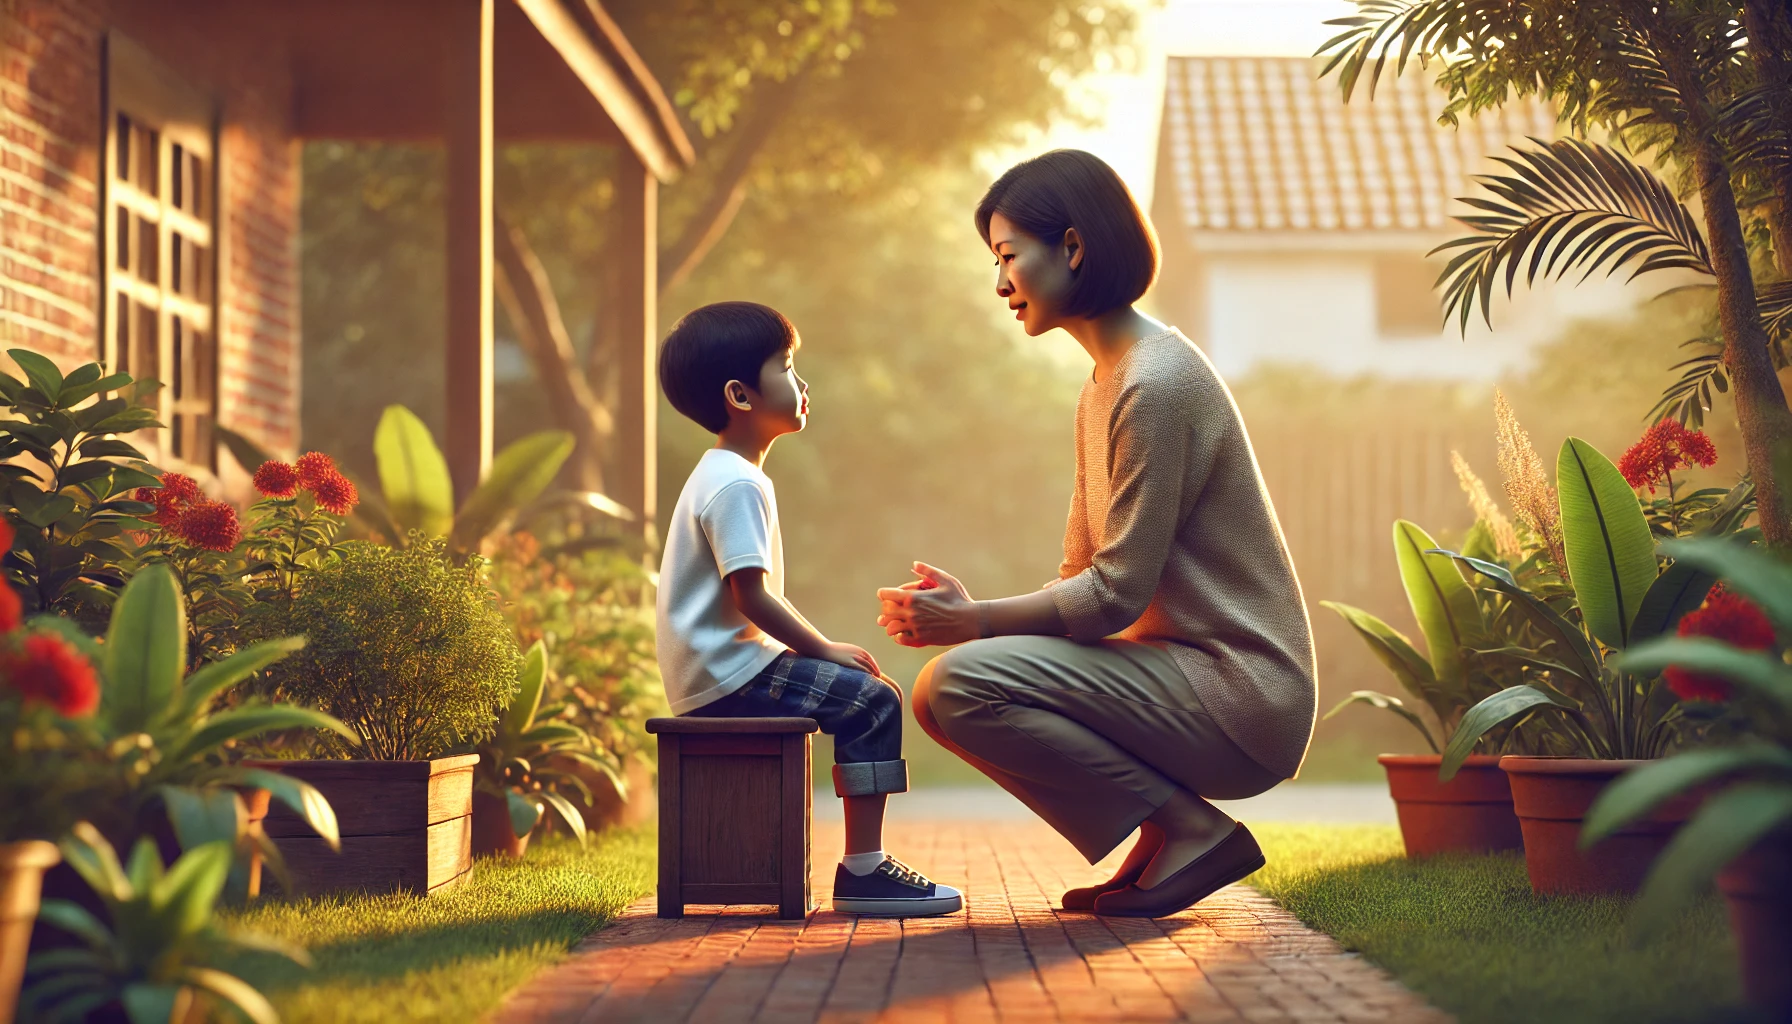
893,889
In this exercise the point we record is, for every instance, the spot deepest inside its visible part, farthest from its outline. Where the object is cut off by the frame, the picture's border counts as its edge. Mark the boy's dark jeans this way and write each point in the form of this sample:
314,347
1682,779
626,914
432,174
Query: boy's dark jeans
861,712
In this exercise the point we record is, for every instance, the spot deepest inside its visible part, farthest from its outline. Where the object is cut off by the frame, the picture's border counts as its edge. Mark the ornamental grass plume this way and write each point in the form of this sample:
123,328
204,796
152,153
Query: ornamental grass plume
44,669
1527,485
1505,538
1663,448
1727,616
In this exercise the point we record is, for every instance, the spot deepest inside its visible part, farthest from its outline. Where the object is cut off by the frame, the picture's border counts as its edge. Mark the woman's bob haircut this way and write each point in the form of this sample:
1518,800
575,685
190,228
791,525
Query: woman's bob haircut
1068,188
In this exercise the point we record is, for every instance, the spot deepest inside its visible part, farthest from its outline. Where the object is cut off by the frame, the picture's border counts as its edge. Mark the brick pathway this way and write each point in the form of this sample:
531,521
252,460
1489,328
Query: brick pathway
1011,956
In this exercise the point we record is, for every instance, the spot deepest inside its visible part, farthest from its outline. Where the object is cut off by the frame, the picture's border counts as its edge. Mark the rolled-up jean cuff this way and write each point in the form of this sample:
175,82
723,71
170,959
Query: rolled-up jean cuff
863,778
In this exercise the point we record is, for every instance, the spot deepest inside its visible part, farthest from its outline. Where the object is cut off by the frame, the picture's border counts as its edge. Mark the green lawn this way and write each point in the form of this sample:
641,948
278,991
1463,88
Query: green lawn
449,957
1469,934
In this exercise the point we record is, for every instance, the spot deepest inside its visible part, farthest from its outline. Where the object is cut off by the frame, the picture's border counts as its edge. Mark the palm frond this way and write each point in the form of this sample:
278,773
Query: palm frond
1568,204
1775,303
1689,398
1397,29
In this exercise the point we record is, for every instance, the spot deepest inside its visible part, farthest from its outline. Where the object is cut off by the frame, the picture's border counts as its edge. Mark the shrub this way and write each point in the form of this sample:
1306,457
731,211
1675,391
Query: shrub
403,645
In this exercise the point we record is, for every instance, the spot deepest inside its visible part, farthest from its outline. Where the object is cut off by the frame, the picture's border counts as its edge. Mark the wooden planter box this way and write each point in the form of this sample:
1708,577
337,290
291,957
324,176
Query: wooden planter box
407,826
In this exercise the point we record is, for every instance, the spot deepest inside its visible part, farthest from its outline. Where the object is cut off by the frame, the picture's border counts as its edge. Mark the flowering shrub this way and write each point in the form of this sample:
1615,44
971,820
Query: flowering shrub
1668,447
1663,448
403,645
1731,618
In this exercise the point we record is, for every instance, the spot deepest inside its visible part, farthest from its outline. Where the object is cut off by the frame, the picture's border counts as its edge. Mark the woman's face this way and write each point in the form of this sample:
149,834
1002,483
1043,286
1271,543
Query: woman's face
1033,275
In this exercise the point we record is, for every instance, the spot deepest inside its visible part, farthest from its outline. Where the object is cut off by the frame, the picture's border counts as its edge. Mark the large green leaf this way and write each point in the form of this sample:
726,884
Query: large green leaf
1495,710
251,720
569,815
413,474
42,373
205,683
145,651
1611,553
518,475
204,815
1751,572
1636,793
523,704
524,812
1727,824
228,988
1443,604
1760,671
1679,589
190,889
150,1003
298,795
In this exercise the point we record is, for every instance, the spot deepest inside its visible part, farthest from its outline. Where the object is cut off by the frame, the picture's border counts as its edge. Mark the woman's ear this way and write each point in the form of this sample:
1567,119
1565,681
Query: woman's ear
735,394
1073,248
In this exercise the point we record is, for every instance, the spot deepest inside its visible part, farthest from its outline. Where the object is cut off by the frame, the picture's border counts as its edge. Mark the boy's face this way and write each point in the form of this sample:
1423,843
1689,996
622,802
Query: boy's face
778,402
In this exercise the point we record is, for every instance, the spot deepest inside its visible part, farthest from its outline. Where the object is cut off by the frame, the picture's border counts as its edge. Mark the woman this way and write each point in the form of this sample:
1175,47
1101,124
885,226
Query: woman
1171,662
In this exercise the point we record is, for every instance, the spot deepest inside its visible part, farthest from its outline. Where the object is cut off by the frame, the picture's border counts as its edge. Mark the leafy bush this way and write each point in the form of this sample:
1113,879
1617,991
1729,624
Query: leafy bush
530,759
592,609
64,493
406,647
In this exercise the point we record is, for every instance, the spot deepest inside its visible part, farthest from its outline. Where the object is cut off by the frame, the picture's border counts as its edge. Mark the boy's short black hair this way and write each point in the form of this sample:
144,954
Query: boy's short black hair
1068,188
714,344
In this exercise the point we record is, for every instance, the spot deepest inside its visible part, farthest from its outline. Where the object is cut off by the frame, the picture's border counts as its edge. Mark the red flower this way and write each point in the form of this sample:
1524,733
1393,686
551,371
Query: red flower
210,524
47,670
171,499
276,479
12,610
315,467
1665,447
1725,616
336,493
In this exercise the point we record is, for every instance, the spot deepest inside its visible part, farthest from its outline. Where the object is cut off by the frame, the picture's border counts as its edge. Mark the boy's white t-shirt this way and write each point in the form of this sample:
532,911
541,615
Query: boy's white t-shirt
726,519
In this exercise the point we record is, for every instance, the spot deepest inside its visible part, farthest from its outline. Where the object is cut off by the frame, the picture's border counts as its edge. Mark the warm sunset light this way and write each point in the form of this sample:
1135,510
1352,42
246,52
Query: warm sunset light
875,510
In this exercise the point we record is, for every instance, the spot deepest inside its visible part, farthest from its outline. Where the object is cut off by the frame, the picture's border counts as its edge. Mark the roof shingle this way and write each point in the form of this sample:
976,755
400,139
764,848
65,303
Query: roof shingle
1259,144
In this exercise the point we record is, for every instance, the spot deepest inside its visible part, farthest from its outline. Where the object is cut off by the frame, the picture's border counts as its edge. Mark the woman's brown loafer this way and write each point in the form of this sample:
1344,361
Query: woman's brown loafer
1082,901
1235,857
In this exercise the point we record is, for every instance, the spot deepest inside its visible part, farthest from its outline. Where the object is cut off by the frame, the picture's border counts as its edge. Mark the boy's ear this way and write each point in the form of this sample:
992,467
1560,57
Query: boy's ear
735,394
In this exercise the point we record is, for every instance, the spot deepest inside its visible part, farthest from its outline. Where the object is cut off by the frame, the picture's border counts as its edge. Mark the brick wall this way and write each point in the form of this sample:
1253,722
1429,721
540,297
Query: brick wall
50,111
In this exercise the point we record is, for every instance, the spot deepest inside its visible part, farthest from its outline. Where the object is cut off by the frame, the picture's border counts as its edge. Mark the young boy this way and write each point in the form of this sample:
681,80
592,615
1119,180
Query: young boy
730,645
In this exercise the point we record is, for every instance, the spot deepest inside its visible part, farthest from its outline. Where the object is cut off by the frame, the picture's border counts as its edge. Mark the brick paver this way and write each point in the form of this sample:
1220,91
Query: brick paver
1011,956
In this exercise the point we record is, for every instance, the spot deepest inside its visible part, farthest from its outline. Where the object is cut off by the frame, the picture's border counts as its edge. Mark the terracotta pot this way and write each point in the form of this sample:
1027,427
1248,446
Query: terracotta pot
1757,886
256,800
1552,796
406,826
22,867
1472,813
492,832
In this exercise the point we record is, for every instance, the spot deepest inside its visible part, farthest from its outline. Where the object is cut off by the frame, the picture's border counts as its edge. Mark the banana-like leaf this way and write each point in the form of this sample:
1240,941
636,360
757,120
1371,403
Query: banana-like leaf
200,687
1494,711
1760,671
1679,589
1443,604
1754,574
524,812
204,815
1636,793
568,813
1611,553
1567,205
1387,703
145,651
518,475
298,795
413,474
520,715
1727,824
234,991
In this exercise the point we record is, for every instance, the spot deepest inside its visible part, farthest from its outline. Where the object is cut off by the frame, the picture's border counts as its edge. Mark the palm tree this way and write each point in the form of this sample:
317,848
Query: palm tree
1674,76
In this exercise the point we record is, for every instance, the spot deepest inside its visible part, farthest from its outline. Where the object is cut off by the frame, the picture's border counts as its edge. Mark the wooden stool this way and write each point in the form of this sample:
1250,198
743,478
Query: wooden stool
734,812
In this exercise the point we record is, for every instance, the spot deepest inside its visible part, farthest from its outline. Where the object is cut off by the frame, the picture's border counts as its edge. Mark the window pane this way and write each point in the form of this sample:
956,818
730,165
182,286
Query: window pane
149,163
177,262
124,148
123,233
121,334
180,370
177,180
148,251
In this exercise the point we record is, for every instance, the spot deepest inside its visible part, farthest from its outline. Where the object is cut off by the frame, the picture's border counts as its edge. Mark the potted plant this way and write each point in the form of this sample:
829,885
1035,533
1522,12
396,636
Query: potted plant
158,959
53,762
526,768
1615,719
409,650
1729,658
1472,811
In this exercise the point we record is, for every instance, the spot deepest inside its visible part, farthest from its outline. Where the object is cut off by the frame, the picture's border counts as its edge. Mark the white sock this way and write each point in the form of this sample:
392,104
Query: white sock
863,863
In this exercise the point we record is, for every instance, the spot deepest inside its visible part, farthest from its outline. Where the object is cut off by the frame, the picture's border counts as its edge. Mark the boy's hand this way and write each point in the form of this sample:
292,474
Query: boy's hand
851,656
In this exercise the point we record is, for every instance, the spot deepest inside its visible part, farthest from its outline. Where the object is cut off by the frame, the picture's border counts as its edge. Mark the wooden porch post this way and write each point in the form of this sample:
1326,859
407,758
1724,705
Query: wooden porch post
637,298
467,92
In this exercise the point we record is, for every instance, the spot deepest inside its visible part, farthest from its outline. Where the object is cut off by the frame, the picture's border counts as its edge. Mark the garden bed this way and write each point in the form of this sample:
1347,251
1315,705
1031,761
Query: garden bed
451,957
1467,933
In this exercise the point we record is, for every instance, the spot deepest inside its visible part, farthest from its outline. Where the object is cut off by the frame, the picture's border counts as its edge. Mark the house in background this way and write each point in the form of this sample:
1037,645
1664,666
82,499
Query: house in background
1294,226
149,188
